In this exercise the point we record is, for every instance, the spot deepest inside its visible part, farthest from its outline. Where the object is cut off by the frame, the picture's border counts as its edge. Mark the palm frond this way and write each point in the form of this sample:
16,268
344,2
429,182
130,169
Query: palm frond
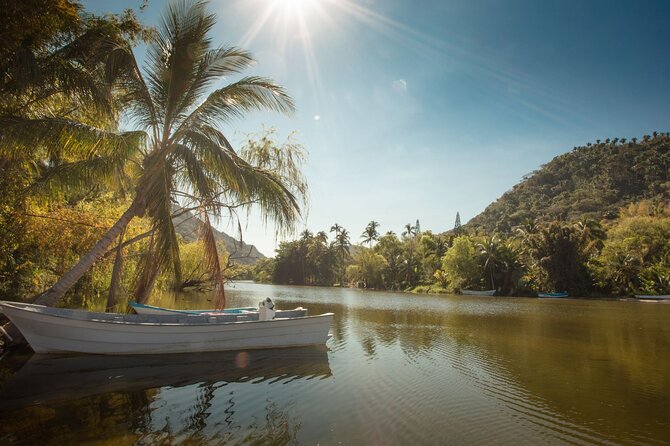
122,70
234,100
239,181
61,138
213,65
77,177
71,70
148,272
194,176
158,194
212,262
174,56
222,163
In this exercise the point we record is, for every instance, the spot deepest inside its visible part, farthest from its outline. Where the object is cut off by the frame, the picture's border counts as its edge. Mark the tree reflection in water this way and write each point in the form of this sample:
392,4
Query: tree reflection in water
190,399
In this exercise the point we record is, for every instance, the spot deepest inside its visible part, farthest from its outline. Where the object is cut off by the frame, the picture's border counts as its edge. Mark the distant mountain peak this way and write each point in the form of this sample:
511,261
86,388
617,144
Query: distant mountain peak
187,225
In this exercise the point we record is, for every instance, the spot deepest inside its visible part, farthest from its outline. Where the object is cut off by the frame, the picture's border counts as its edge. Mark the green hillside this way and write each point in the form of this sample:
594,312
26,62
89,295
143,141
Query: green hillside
592,181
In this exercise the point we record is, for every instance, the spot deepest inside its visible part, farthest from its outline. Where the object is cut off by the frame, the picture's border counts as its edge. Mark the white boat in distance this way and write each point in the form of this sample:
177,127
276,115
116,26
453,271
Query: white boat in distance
61,330
652,296
478,293
150,309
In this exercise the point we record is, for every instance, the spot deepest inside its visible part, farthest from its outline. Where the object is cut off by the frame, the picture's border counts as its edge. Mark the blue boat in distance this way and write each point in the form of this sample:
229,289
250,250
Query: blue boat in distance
559,294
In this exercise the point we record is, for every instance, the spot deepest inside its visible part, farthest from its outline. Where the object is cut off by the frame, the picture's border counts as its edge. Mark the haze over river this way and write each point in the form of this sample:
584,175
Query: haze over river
399,369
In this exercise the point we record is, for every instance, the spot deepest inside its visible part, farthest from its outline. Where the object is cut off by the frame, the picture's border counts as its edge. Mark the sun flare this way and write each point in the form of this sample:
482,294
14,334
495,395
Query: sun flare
294,6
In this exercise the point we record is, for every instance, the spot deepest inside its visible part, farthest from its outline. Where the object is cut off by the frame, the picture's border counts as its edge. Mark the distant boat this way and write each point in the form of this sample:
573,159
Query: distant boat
61,330
559,294
150,309
478,293
653,297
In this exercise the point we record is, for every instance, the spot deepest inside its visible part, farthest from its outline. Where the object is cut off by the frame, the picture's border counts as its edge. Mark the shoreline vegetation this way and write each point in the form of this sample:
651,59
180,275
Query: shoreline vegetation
594,222
89,206
621,258
88,209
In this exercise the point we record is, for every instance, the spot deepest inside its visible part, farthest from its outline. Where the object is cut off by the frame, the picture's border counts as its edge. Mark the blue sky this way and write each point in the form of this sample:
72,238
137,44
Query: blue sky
416,110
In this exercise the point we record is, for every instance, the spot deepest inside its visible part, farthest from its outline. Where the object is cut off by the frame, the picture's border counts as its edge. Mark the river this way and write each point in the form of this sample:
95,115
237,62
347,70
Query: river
399,369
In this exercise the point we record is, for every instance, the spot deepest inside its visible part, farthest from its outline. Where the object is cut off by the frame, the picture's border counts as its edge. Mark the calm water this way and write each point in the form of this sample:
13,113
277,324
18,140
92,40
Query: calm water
399,369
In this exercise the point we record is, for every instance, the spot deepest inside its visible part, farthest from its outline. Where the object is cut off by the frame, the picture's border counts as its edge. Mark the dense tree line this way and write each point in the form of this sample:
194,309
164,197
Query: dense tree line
624,256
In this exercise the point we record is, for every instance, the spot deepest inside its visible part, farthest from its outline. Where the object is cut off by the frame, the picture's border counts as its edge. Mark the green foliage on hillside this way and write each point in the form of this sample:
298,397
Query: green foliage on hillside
592,222
590,182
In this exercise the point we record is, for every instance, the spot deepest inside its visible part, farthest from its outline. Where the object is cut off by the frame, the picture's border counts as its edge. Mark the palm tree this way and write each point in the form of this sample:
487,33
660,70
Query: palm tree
321,237
370,234
341,246
342,242
409,230
488,249
336,228
179,148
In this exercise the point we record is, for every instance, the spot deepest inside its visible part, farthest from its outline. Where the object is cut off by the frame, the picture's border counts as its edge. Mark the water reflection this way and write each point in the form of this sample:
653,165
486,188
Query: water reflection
154,398
400,369
575,371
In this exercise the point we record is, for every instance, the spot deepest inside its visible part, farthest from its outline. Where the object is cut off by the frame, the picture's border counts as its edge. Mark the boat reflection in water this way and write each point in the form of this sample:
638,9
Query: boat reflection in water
150,399
51,378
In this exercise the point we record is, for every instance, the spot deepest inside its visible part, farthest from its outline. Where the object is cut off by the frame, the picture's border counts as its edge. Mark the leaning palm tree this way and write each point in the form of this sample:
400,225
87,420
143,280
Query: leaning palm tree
179,148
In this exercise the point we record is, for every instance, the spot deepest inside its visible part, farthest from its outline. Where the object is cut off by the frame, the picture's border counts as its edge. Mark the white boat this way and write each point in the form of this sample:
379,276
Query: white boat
652,296
150,309
478,293
61,330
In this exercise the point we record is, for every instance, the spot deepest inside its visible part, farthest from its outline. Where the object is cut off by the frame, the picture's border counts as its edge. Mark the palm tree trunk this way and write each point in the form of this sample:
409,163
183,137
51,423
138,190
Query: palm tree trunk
51,296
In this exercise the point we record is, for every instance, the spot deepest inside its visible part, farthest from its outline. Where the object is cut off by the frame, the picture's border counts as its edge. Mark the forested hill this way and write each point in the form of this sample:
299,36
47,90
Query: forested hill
593,181
187,226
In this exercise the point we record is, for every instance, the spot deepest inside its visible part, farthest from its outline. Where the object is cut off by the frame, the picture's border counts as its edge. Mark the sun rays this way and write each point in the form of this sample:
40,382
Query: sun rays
304,24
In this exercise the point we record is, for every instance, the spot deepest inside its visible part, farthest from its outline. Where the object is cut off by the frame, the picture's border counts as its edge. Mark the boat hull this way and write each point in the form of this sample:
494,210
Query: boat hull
652,297
553,295
81,332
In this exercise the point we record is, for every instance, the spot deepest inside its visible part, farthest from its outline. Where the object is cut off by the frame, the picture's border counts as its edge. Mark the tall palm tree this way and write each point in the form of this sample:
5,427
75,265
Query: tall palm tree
321,237
336,228
342,242
489,250
179,148
409,230
370,234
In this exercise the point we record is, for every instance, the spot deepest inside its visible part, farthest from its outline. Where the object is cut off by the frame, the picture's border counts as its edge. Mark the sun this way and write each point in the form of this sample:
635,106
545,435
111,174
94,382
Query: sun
294,6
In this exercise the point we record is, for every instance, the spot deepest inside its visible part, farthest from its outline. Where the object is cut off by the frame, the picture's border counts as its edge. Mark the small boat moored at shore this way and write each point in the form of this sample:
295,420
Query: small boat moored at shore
558,294
150,309
478,293
652,297
61,330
